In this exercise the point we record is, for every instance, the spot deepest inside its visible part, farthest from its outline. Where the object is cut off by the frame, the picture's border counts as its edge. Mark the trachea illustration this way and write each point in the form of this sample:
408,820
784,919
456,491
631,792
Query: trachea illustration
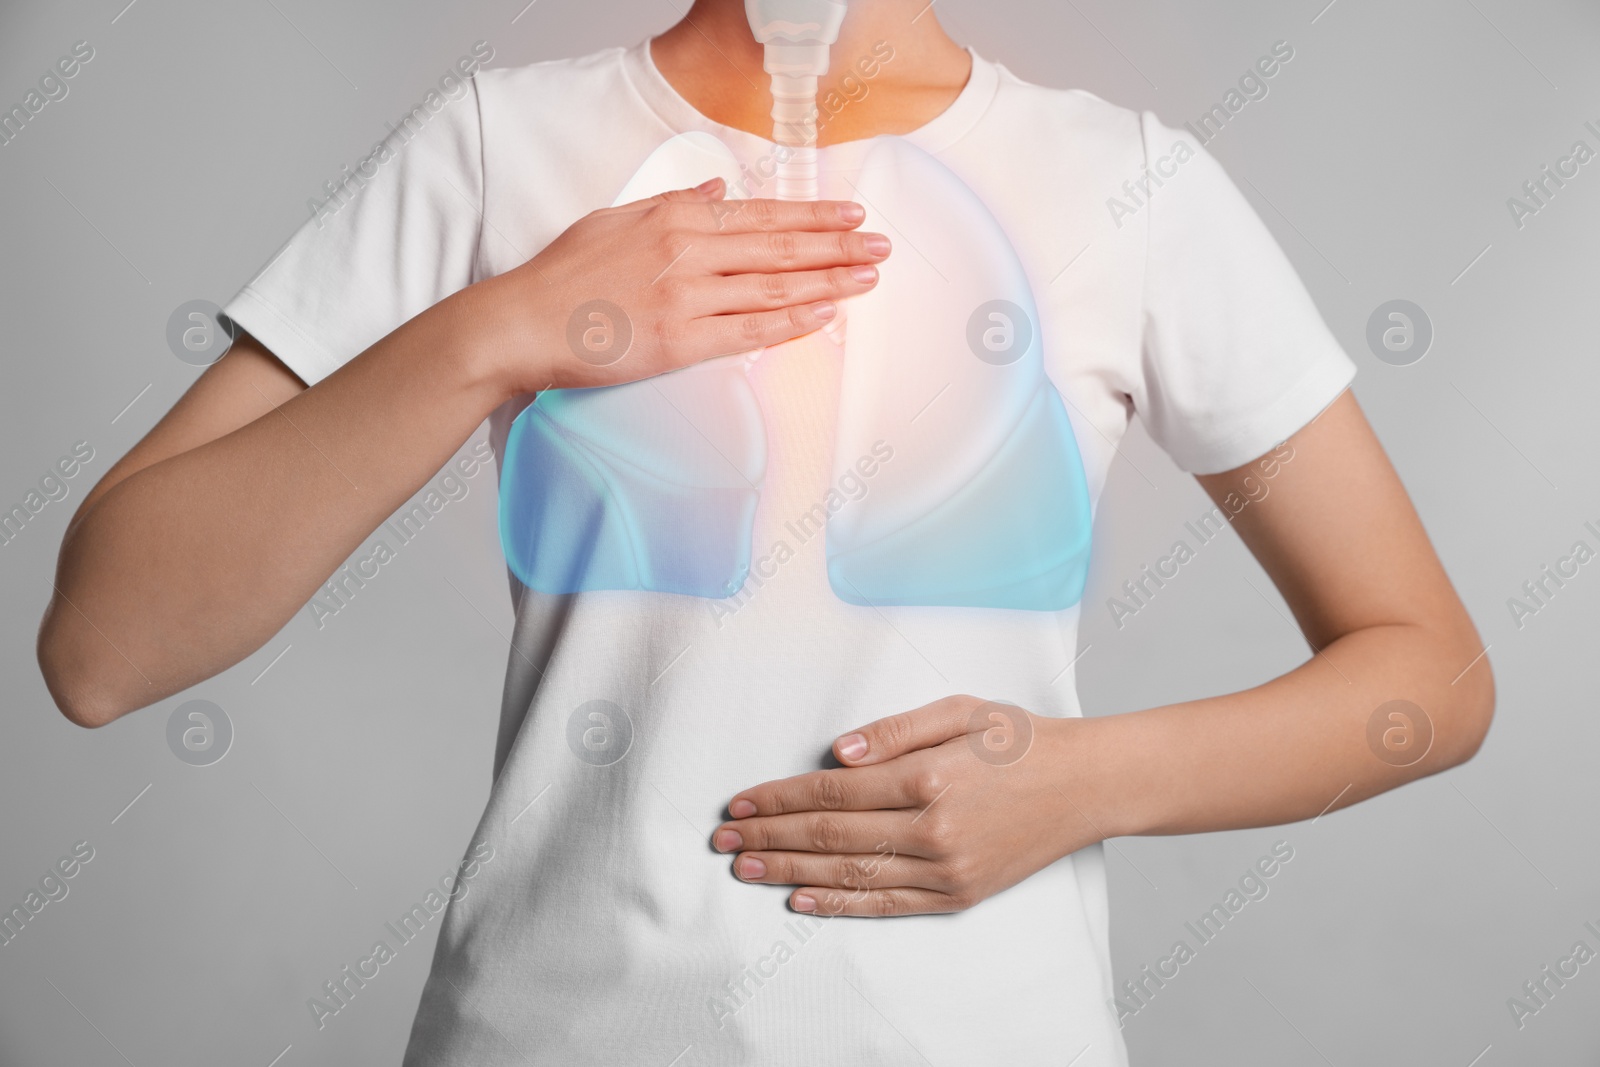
654,485
796,36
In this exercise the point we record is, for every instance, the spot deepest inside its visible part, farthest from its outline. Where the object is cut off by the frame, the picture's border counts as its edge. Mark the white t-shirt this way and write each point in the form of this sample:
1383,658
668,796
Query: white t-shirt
606,930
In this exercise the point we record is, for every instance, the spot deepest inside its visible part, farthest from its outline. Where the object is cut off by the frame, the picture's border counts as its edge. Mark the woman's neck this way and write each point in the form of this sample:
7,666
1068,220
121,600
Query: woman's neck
714,63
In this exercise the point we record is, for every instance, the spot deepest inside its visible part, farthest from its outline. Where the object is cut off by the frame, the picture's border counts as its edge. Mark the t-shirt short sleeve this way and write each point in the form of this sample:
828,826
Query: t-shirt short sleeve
381,247
1236,357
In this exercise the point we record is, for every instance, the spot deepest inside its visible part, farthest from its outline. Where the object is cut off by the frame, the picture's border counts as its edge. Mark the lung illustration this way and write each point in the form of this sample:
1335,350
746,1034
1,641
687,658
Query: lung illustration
984,502
977,496
651,485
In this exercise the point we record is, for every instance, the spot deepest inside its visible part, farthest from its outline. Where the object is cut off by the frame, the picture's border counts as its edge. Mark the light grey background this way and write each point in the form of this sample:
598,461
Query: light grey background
1382,159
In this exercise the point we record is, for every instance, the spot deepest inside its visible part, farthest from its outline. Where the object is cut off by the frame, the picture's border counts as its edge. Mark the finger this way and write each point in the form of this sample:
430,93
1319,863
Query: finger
874,903
769,292
754,216
709,192
819,831
924,727
748,331
790,250
712,189
857,873
848,789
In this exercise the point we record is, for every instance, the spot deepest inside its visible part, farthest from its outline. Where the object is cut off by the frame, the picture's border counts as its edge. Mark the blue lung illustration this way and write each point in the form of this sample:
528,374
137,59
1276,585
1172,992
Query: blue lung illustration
984,503
650,485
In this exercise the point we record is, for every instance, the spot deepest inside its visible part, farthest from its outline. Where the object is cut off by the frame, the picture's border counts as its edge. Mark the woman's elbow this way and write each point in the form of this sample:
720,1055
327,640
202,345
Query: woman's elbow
83,684
1472,703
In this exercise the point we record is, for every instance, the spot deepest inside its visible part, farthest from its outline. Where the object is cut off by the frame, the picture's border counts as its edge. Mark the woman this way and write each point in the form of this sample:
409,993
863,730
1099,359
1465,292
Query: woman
923,900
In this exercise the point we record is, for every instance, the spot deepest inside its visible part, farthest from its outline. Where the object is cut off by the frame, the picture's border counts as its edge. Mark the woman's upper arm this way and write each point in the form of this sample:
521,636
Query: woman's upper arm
236,390
1327,517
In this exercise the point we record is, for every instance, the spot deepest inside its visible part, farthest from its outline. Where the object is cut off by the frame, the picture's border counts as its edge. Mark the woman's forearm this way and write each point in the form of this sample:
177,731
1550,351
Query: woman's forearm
188,565
1294,747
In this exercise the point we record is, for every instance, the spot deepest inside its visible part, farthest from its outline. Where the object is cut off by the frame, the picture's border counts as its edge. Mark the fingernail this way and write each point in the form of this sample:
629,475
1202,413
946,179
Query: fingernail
852,212
707,186
852,746
864,274
741,809
804,902
877,244
824,311
750,867
728,841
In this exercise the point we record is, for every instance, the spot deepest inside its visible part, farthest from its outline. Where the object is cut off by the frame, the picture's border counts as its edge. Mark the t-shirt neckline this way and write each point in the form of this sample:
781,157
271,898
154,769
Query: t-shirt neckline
938,133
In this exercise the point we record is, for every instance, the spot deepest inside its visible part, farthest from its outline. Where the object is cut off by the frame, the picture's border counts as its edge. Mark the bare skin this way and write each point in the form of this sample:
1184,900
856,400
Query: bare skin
1339,538
714,63
177,565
